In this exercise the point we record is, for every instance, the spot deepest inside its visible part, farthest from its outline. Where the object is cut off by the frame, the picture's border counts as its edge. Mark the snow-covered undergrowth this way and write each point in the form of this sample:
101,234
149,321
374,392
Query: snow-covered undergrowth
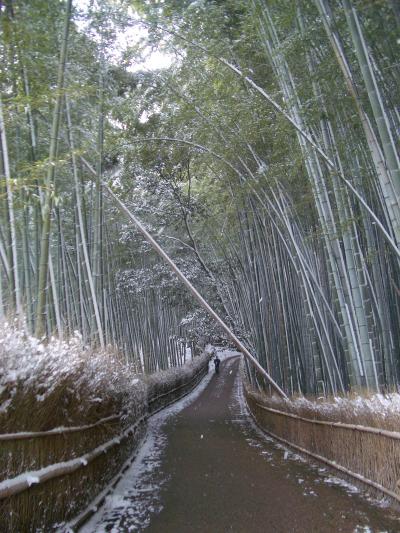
375,410
44,386
61,383
167,380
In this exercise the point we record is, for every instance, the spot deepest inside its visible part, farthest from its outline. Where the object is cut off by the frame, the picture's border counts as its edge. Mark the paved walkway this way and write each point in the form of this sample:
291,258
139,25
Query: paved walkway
207,468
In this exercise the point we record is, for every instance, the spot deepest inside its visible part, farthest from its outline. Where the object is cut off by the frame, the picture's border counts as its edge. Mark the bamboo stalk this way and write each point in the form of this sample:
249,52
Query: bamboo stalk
82,233
374,95
49,191
10,204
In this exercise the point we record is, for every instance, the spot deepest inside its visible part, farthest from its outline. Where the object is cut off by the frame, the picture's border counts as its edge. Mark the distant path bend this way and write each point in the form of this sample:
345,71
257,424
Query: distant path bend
208,469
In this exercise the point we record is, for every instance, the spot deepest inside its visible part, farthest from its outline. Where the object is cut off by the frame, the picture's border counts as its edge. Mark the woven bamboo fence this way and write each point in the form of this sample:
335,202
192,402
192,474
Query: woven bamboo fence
160,398
49,477
368,455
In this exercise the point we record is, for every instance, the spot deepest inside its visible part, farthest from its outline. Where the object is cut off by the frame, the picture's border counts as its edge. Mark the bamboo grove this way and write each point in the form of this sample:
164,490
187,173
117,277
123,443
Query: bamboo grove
266,159
59,259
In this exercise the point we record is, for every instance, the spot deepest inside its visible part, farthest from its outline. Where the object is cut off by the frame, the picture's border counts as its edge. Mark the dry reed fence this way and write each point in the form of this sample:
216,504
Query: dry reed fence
162,393
70,465
367,454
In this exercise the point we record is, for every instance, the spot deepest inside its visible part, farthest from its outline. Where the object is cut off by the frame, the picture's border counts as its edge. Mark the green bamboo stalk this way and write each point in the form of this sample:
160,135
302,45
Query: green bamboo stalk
49,183
375,98
14,273
82,232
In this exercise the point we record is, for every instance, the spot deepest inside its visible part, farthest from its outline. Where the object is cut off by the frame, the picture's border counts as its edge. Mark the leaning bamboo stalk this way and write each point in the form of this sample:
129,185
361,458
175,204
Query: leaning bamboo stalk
196,294
186,282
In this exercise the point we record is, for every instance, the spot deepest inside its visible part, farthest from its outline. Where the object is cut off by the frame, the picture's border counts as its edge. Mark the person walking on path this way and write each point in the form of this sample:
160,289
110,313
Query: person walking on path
217,362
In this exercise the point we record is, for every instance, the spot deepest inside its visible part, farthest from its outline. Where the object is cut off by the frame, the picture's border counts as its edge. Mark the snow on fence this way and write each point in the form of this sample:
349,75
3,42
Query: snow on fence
9,487
369,455
21,435
52,475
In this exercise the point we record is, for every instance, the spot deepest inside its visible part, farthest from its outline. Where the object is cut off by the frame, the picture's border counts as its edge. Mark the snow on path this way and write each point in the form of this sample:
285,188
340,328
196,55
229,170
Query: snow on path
266,446
136,501
138,482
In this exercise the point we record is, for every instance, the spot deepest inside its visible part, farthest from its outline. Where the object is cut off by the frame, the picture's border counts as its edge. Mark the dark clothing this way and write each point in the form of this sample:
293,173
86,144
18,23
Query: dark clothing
216,364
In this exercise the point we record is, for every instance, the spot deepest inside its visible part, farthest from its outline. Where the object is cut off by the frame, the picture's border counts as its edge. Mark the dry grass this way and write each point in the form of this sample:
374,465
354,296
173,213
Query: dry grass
58,500
170,385
374,410
61,384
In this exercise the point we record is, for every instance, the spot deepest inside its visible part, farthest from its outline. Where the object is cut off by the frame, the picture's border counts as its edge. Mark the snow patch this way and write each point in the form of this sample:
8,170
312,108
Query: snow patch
332,480
31,480
371,410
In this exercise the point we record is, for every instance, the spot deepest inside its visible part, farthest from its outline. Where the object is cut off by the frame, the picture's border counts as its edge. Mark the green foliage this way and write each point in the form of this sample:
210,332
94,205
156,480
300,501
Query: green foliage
232,190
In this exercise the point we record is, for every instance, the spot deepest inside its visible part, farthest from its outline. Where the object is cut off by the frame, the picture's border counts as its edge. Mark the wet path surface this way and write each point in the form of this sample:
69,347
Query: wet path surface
205,467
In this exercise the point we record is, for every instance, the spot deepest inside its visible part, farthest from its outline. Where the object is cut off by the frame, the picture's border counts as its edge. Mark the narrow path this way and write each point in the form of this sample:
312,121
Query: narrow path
205,467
